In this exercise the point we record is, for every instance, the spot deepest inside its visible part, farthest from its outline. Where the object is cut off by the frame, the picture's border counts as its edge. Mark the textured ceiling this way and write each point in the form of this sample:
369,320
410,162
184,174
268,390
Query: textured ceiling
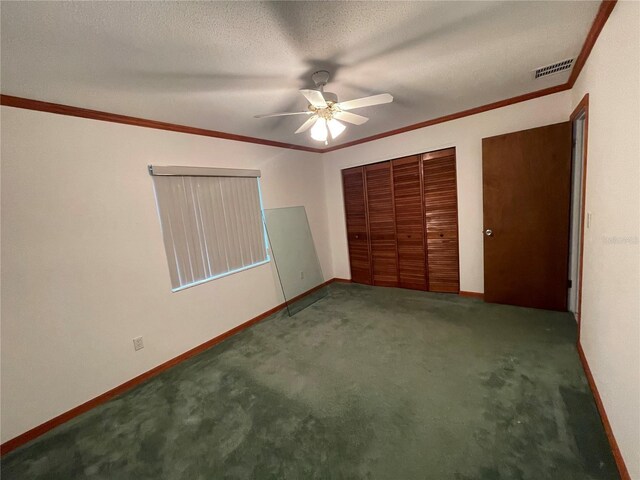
216,64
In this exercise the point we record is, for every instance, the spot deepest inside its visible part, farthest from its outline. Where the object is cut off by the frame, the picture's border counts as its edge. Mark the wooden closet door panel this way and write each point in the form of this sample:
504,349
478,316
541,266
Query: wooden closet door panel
382,228
409,214
356,217
526,180
441,218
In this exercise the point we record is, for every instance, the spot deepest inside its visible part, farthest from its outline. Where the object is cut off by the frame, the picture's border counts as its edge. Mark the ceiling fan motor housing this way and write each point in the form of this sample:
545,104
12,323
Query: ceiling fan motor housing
320,78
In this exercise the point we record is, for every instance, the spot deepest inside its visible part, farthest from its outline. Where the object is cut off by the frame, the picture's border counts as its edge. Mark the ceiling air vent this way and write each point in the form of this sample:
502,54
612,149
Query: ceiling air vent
553,69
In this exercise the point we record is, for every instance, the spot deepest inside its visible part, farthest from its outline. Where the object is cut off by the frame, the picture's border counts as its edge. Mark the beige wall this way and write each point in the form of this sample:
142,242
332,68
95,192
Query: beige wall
83,264
466,135
610,333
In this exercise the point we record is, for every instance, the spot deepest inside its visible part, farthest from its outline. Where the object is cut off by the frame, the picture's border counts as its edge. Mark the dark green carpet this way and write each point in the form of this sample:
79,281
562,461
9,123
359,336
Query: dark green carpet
367,383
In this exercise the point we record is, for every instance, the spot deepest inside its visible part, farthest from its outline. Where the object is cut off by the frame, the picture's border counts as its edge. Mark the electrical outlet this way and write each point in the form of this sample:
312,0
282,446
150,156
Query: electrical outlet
137,343
301,275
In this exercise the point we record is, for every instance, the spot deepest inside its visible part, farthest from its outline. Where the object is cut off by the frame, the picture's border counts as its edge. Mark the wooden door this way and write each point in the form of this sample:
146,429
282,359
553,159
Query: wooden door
409,218
526,190
356,216
441,215
382,228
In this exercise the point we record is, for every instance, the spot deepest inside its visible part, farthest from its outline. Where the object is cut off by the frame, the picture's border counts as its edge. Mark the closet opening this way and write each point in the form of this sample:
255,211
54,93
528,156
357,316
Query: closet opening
402,222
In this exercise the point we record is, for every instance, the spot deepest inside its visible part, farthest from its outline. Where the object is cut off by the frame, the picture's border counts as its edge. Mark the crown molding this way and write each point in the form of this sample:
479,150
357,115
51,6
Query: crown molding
453,116
30,104
606,7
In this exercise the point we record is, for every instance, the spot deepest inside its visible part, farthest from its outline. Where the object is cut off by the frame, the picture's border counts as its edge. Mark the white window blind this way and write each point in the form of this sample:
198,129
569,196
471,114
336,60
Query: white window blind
212,225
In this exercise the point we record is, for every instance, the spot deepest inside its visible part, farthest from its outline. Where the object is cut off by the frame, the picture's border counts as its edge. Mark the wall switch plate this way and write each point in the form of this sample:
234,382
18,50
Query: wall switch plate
137,343
588,219
301,275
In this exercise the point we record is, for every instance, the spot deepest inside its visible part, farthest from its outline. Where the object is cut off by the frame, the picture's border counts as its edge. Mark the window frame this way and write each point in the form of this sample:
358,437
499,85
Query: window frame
188,171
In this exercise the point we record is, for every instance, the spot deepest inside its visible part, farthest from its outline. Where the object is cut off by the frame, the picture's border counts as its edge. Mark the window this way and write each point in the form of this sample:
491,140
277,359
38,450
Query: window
211,222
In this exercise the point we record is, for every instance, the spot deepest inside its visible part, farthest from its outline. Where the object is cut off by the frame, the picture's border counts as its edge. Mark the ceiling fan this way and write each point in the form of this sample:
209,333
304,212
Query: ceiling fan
326,113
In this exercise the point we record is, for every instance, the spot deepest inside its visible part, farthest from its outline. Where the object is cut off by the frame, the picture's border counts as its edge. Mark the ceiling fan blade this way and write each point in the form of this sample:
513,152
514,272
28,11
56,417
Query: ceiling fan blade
307,125
366,101
315,98
307,112
350,118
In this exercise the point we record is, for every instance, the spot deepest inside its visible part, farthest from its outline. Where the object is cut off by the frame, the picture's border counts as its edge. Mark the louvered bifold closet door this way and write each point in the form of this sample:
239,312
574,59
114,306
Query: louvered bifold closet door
356,216
441,218
409,213
382,228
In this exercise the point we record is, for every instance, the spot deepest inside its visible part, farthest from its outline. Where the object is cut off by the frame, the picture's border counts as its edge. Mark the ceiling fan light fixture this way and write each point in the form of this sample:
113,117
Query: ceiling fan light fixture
319,130
335,128
327,114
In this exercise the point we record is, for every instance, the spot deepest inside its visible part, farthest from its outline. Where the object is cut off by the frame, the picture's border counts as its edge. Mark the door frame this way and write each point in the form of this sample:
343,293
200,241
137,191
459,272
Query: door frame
581,109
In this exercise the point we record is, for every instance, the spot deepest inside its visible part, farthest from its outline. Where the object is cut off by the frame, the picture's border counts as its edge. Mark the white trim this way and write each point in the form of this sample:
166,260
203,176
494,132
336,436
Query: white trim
215,277
201,171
